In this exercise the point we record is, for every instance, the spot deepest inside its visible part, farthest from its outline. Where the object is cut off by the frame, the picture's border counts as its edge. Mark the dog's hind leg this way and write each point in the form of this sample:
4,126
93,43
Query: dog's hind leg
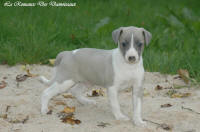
53,90
78,91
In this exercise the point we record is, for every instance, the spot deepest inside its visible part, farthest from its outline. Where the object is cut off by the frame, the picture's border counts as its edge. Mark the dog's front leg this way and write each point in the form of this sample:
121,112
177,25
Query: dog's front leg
113,98
137,95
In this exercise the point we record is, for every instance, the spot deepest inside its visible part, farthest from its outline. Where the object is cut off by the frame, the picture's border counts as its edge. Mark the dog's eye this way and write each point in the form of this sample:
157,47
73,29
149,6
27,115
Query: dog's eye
124,44
139,44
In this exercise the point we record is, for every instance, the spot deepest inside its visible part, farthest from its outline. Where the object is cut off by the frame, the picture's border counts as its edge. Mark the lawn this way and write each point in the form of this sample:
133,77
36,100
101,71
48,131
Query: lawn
36,34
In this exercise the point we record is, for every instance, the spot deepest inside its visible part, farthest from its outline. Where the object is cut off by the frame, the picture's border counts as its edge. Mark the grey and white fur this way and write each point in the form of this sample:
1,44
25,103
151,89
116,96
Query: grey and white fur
114,69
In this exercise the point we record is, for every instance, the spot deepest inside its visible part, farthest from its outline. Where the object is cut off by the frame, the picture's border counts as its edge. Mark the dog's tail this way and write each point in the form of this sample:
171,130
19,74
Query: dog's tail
43,79
58,59
57,62
47,82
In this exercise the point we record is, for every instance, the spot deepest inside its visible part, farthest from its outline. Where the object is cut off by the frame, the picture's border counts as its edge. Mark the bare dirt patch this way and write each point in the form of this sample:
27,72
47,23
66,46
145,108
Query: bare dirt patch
164,110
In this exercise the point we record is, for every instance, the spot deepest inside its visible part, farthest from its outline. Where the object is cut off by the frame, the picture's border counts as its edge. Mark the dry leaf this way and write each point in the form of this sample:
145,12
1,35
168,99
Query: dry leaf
158,87
69,110
71,121
97,92
19,119
60,103
166,127
184,74
31,75
101,92
52,61
4,78
63,115
69,118
67,96
49,112
3,84
103,124
77,121
171,92
180,95
4,116
20,77
23,67
146,93
25,120
166,105
177,77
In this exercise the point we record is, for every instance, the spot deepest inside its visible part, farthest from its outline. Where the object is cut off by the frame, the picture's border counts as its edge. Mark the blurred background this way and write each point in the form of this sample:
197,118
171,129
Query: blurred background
36,34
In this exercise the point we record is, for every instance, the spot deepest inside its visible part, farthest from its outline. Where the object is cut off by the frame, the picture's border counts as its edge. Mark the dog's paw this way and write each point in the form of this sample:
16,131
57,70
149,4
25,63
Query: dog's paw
42,79
92,102
122,117
140,123
44,111
86,101
89,102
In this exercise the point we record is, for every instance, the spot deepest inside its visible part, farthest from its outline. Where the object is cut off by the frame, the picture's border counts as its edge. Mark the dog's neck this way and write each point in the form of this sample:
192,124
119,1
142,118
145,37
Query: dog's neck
119,60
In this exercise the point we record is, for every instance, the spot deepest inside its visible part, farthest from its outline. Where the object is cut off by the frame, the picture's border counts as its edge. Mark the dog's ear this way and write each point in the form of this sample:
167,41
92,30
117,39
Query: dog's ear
147,36
116,34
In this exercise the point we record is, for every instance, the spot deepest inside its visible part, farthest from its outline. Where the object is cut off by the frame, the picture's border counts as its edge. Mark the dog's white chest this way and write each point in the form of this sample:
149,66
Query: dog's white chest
126,74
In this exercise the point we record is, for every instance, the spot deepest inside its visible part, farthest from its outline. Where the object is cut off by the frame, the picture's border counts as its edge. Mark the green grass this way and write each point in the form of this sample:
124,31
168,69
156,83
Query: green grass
35,34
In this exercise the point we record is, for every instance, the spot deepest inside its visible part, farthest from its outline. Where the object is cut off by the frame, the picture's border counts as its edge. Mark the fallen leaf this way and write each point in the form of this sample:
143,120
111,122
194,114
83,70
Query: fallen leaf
23,67
25,120
71,121
102,124
166,127
31,75
165,105
67,96
49,112
101,92
184,74
171,92
3,84
177,77
180,95
63,115
146,93
20,77
4,116
158,87
69,110
68,118
97,92
170,87
52,61
7,108
77,121
19,119
4,78
60,103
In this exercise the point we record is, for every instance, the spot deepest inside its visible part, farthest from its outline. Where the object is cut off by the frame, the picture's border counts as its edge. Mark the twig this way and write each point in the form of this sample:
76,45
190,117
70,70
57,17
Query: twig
163,125
152,122
190,109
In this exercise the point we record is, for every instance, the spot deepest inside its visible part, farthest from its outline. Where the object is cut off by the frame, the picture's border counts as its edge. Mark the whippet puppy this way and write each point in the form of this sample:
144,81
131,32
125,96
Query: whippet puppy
114,69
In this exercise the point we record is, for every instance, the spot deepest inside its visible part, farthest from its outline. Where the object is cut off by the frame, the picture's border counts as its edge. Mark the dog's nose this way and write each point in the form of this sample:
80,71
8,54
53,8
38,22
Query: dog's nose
131,58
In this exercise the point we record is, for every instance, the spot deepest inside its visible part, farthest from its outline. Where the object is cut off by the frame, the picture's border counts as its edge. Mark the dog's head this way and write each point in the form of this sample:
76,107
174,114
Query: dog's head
131,41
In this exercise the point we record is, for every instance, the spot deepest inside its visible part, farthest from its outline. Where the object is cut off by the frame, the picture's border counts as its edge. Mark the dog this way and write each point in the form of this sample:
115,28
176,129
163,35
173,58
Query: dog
114,69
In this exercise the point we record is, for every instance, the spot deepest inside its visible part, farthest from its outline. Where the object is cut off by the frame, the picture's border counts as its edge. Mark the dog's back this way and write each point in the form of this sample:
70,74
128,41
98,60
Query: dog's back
87,65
